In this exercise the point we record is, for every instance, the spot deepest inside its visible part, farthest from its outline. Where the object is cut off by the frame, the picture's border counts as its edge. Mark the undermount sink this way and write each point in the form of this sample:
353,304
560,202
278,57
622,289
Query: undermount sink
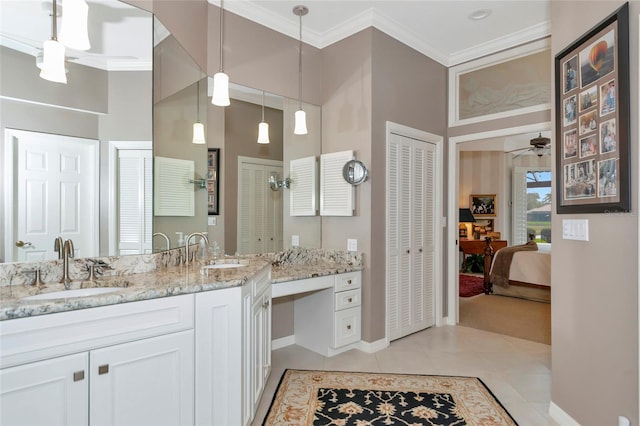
224,265
66,294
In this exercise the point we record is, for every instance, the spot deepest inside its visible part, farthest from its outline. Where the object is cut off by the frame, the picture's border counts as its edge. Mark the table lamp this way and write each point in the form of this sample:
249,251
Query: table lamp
464,216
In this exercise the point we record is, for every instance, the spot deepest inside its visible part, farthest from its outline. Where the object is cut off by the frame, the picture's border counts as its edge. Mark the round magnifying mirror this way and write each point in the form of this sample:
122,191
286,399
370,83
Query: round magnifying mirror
355,172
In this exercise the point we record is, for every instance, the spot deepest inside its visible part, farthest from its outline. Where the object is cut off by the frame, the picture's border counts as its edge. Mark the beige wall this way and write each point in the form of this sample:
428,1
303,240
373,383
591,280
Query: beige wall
595,283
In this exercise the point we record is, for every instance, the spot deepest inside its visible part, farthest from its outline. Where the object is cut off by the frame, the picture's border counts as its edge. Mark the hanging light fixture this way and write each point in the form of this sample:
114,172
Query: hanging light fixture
198,127
263,127
300,116
74,33
220,79
53,53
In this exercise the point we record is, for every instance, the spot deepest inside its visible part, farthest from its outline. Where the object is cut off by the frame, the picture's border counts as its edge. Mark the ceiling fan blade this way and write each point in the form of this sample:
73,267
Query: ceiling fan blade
527,148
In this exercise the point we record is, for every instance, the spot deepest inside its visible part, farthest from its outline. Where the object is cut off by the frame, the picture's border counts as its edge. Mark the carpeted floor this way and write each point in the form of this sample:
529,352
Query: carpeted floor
306,397
507,315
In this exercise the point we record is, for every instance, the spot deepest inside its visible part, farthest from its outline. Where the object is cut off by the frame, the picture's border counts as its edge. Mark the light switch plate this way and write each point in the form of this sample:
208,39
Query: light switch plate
211,220
352,244
575,229
295,240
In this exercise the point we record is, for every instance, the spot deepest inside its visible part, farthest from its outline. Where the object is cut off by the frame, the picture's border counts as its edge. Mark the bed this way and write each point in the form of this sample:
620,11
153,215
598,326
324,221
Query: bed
526,275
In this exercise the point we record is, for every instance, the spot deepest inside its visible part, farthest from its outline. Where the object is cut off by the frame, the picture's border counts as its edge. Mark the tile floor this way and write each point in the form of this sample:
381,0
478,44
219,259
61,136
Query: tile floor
517,371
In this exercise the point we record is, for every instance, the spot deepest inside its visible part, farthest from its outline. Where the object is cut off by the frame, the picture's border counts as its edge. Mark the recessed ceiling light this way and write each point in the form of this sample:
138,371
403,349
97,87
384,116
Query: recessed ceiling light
479,14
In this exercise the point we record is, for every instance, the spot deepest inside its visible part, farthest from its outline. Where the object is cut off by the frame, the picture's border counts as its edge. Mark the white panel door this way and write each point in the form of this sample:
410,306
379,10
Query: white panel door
56,191
146,382
47,393
410,235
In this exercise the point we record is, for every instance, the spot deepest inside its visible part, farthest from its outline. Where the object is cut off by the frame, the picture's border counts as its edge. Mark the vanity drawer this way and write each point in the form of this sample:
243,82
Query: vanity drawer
347,281
347,299
347,327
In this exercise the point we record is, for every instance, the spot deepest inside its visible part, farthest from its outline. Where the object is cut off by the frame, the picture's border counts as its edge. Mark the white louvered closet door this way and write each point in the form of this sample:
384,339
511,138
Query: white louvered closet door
259,208
410,235
519,208
134,201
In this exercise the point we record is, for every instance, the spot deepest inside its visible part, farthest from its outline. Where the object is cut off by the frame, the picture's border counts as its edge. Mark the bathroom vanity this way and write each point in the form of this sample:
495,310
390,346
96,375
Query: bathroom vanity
131,356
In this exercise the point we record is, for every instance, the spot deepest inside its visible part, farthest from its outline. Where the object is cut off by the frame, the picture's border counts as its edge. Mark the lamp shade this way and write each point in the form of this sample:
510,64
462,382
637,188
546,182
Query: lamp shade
198,134
300,123
263,133
220,89
74,33
53,62
465,215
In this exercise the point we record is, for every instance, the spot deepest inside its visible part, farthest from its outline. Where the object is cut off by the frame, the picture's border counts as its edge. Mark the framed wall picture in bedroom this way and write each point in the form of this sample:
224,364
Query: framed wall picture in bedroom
213,183
482,205
592,112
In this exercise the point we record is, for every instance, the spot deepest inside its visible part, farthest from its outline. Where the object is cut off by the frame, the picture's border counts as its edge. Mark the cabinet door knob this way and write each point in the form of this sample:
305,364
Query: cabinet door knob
103,369
408,251
78,376
350,299
349,327
420,250
23,244
349,282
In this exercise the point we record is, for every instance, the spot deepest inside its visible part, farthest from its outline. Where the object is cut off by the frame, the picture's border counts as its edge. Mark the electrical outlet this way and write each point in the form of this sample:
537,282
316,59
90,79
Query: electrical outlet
295,240
575,229
352,244
211,220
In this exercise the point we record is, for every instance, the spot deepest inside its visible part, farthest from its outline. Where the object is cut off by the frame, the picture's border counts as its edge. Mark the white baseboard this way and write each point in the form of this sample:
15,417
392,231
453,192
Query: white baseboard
283,342
559,416
371,347
449,320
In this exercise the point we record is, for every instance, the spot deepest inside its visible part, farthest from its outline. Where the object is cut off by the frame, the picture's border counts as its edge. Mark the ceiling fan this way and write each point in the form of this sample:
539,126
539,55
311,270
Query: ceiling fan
540,145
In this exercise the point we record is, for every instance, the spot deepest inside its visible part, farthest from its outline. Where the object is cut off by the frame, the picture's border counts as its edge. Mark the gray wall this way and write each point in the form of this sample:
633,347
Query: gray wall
594,288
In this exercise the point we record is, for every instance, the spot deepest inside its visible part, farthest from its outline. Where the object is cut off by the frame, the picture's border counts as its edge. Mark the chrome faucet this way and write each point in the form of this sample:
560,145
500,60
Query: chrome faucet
67,252
58,246
166,238
186,244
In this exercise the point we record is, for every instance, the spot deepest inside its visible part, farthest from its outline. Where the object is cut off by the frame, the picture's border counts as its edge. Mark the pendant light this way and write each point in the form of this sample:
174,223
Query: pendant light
263,127
198,127
300,127
220,79
53,53
74,33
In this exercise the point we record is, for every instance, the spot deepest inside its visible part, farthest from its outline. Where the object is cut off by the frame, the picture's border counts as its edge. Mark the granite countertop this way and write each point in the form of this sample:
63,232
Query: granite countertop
171,281
289,265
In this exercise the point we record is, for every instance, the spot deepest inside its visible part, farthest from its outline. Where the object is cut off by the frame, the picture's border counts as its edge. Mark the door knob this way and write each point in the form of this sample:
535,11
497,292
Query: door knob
23,244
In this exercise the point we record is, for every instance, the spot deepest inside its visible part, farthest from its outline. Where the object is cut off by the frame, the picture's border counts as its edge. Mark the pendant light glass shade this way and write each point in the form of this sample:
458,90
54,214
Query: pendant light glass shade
220,89
53,62
74,33
300,123
263,133
198,133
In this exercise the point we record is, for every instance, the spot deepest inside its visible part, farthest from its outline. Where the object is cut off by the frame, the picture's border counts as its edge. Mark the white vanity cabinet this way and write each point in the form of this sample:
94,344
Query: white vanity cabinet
327,319
70,368
233,351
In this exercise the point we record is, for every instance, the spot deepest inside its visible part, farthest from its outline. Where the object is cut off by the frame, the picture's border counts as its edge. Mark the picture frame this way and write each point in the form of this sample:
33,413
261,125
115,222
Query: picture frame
482,205
592,119
213,181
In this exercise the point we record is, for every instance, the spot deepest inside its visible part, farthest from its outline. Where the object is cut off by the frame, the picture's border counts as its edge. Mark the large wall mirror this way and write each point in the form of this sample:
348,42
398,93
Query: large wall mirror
127,113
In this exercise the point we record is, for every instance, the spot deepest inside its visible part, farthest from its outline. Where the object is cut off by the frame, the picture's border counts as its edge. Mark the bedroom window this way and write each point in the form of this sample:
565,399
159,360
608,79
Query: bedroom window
532,205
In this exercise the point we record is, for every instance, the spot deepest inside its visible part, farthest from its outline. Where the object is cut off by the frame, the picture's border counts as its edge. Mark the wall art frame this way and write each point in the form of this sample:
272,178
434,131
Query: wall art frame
592,98
213,181
483,205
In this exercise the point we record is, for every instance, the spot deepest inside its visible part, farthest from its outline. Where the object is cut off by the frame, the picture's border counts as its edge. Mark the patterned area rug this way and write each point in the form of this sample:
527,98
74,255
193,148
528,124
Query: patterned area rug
361,399
471,285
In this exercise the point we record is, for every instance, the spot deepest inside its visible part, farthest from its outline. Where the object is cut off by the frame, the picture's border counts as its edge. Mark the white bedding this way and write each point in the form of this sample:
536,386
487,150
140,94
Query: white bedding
533,267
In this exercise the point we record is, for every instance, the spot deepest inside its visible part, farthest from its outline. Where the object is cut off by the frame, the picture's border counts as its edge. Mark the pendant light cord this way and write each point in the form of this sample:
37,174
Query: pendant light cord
221,30
300,65
263,106
54,23
198,101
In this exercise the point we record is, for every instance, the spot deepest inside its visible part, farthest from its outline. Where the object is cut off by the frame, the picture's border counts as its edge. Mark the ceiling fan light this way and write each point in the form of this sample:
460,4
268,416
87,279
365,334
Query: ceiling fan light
220,89
300,127
74,33
263,133
53,62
